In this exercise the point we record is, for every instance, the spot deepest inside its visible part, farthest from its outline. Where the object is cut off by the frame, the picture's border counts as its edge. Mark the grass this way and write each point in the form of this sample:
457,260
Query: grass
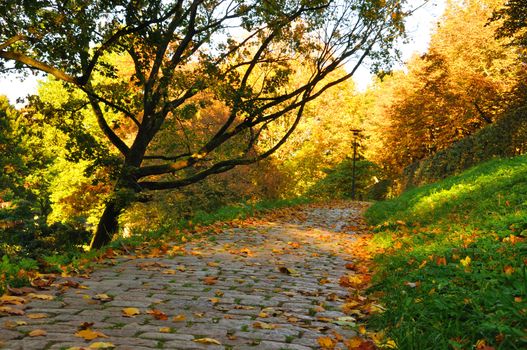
453,272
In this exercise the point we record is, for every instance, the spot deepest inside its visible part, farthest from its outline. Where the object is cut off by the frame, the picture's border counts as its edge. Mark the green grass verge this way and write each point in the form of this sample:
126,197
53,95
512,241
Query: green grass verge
453,274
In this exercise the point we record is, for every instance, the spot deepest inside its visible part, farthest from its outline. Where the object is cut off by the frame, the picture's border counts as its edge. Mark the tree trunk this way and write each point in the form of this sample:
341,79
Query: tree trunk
108,225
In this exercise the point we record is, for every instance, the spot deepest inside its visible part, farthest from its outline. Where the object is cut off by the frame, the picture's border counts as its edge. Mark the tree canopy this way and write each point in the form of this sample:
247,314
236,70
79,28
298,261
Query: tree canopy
238,53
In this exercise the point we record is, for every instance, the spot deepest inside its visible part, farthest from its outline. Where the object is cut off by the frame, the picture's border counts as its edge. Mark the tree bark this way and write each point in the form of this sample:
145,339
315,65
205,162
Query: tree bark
108,225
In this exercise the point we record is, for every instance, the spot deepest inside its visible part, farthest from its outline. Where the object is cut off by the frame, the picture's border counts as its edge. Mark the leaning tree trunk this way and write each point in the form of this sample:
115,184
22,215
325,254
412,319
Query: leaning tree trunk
108,225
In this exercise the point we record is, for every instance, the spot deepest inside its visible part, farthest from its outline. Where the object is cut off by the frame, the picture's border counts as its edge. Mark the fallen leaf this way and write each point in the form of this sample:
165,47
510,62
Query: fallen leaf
8,299
40,296
169,272
101,345
181,268
11,310
179,318
466,262
214,300
210,280
130,312
102,297
88,334
508,270
289,271
213,264
352,281
327,343
21,291
206,341
37,316
165,330
263,325
37,333
158,314
85,325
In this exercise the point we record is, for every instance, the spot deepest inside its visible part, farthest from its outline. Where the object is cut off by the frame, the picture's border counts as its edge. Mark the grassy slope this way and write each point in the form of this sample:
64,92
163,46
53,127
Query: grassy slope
453,274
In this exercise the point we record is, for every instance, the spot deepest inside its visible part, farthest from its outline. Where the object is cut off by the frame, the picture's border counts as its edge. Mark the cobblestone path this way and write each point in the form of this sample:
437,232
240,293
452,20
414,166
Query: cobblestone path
273,285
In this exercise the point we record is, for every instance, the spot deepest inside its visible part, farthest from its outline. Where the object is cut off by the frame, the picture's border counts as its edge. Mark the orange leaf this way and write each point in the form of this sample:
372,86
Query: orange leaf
11,310
36,316
508,270
210,280
158,314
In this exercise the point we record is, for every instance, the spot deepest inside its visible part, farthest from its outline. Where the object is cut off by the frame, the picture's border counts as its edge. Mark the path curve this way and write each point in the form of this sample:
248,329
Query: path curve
271,285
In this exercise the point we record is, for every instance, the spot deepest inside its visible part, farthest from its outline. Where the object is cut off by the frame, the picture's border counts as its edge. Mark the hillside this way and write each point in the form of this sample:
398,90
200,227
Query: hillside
453,273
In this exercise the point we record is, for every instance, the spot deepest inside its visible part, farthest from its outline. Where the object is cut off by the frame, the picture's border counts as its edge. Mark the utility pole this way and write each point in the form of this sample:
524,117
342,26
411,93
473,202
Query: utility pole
355,136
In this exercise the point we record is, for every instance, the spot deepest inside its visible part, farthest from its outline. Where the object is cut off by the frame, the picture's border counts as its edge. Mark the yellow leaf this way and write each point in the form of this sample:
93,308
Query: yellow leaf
207,341
37,316
102,297
89,334
8,299
40,296
130,312
213,264
169,272
263,325
37,333
101,345
214,300
362,329
263,315
181,268
179,318
165,330
466,262
326,343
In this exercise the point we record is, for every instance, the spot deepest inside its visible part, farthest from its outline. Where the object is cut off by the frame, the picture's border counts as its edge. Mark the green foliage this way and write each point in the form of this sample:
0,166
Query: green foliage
507,137
455,272
338,182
